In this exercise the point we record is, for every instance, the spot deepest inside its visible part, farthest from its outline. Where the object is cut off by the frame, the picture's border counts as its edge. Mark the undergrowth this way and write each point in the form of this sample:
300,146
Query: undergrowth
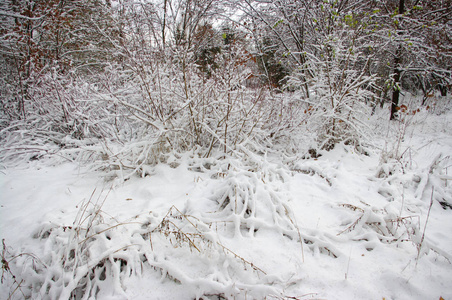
94,255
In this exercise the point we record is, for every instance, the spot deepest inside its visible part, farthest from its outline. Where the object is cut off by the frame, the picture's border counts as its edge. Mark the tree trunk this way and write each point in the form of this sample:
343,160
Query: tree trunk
397,71
443,89
164,24
396,88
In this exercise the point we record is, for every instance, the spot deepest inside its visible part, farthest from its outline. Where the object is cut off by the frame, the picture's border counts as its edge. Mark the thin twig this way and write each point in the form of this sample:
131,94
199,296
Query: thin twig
425,227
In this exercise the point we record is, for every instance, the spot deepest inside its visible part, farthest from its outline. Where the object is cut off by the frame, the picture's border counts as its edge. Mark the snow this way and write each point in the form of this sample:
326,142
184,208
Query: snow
201,230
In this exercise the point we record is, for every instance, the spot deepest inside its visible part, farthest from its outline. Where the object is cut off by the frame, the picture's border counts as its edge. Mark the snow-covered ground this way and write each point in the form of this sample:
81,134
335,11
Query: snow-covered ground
342,226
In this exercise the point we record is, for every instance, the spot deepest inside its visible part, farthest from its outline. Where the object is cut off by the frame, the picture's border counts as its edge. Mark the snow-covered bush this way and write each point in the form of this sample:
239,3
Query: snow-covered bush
165,107
59,116
340,83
